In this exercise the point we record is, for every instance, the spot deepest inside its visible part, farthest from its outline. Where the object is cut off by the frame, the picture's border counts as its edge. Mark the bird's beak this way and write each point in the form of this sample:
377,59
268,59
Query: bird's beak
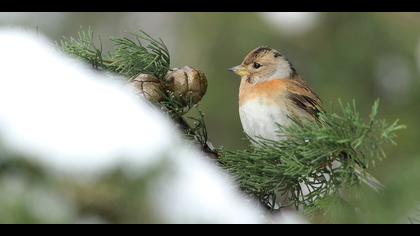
239,70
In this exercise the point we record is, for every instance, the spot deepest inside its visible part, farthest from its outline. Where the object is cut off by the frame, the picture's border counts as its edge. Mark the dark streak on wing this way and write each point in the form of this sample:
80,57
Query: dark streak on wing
303,97
305,103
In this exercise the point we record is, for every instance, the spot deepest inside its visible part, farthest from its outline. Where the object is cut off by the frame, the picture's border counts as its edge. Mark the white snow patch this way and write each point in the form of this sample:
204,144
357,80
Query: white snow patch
195,193
69,117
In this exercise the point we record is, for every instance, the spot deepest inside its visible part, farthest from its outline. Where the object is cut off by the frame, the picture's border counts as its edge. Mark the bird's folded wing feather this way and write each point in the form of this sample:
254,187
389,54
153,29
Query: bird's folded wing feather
303,101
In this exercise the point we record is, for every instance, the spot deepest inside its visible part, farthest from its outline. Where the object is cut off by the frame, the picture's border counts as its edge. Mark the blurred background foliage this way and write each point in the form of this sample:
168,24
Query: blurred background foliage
342,55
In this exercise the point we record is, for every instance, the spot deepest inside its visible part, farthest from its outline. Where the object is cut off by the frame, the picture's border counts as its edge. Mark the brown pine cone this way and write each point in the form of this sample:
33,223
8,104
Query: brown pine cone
187,83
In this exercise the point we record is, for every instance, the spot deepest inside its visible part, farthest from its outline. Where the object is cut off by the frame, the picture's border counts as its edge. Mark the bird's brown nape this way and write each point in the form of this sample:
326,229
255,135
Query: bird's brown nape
294,73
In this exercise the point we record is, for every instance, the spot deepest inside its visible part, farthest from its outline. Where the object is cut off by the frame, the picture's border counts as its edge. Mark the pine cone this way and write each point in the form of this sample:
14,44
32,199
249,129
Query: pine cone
187,83
148,86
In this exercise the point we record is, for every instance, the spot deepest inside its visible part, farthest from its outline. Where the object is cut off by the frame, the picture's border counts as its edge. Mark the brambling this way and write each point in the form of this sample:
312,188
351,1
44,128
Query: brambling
271,91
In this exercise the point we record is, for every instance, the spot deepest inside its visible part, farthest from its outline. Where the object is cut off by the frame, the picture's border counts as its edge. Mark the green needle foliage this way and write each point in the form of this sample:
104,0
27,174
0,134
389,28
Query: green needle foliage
130,57
303,159
83,47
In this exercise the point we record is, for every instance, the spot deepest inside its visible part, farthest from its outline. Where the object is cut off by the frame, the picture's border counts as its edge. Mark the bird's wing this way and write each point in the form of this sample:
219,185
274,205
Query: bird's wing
303,101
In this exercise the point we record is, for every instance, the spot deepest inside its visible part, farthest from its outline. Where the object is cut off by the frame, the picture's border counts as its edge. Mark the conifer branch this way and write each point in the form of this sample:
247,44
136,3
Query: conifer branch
303,159
141,55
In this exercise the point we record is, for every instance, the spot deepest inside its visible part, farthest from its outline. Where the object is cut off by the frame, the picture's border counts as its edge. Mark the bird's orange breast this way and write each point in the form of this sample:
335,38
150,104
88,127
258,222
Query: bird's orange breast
270,90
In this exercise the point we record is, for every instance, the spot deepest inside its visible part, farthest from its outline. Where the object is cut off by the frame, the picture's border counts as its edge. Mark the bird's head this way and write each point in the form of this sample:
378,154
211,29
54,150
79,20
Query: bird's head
263,64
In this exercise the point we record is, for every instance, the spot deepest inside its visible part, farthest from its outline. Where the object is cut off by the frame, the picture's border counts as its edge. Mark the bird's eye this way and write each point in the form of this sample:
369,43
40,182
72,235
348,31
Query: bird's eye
257,65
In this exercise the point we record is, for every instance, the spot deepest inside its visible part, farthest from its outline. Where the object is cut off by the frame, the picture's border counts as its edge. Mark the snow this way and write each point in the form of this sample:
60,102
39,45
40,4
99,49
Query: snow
81,123
69,117
202,194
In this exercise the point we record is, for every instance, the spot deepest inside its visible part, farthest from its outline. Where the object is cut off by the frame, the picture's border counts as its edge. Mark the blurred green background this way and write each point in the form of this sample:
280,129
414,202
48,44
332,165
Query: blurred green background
361,56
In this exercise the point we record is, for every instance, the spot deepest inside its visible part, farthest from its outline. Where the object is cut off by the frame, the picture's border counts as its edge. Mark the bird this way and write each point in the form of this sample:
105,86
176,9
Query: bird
273,93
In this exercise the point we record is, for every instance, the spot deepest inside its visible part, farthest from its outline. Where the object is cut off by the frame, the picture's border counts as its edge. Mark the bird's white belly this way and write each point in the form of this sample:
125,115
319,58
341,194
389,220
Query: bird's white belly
259,118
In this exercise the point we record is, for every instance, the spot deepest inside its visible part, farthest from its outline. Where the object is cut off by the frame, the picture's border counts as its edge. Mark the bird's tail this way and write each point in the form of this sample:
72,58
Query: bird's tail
368,179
